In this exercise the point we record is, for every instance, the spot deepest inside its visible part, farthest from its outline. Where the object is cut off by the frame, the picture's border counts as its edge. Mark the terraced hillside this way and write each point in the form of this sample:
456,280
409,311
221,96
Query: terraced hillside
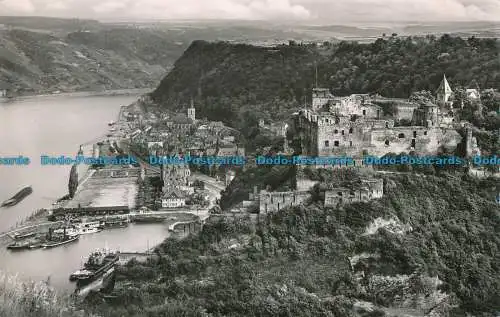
37,62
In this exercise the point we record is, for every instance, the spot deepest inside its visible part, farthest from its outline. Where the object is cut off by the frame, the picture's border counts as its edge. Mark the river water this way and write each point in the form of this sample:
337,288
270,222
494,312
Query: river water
57,125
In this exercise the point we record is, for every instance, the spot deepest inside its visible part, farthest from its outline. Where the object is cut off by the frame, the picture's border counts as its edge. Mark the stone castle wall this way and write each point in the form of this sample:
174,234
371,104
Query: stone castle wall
368,189
339,133
274,201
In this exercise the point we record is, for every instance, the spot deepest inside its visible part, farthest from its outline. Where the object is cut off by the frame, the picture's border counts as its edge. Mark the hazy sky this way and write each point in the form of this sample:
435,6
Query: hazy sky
327,11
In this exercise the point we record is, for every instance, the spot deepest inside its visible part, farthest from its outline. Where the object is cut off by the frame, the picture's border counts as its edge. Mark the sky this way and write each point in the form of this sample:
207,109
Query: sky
326,11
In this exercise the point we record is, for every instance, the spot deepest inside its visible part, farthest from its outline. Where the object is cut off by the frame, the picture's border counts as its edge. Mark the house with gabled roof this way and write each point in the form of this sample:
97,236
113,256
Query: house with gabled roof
173,198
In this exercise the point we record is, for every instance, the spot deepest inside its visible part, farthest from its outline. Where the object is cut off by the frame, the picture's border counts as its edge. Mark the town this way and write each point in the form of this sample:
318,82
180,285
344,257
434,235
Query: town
185,193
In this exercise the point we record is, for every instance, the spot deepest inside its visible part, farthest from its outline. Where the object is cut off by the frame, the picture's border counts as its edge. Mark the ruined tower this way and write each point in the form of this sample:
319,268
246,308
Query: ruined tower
320,97
431,115
471,146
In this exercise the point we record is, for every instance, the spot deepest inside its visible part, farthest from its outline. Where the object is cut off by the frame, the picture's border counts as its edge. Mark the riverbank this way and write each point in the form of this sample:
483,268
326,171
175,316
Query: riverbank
116,92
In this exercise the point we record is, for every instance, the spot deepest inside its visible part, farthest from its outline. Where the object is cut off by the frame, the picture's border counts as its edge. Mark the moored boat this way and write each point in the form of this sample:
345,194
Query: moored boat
14,200
20,236
96,266
110,224
18,246
82,228
24,244
58,242
80,274
149,219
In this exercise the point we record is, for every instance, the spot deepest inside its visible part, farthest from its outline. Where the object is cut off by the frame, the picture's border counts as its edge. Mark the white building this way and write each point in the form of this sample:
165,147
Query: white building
173,198
154,146
473,94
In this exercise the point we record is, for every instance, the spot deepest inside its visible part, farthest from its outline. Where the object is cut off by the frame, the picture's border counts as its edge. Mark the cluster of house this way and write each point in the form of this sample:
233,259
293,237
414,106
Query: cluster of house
183,134
177,185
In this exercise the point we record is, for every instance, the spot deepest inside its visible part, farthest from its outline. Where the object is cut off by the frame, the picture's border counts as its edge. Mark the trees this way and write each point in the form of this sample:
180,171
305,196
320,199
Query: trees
73,181
422,97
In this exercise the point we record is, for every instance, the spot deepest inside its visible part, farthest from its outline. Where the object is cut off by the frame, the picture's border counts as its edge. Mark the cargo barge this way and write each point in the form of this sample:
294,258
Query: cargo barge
17,198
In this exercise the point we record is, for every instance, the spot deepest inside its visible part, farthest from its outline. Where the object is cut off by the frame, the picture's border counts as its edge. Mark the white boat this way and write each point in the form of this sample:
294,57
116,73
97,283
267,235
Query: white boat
88,230
90,224
82,228
80,274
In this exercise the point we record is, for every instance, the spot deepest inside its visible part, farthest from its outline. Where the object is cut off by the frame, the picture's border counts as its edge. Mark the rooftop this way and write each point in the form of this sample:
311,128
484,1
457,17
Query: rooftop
181,119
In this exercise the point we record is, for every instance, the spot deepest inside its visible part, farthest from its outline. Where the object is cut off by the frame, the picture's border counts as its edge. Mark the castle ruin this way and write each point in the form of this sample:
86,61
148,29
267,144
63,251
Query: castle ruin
354,126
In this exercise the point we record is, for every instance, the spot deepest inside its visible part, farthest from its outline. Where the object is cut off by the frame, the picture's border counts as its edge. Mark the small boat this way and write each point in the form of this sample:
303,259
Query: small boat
19,246
80,275
151,219
111,123
14,200
21,236
110,224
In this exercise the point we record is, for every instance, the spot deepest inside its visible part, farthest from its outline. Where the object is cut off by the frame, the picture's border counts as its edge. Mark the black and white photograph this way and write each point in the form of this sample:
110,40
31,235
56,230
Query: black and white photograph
250,158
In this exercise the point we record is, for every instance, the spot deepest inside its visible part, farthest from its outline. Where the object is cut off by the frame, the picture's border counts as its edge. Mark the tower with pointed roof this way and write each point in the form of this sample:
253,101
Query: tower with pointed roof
444,92
192,111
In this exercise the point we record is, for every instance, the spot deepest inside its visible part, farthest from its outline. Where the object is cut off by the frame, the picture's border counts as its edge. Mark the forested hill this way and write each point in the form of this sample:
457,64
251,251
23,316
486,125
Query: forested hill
226,78
223,77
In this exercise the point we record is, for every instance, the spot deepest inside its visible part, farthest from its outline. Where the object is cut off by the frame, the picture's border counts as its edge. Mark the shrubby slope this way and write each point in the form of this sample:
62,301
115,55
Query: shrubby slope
297,263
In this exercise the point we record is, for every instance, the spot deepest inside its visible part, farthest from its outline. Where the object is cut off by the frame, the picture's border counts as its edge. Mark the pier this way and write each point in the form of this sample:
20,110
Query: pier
38,227
62,213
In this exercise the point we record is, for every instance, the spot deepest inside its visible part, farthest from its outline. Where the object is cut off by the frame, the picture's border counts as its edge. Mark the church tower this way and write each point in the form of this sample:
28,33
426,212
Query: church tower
444,92
192,112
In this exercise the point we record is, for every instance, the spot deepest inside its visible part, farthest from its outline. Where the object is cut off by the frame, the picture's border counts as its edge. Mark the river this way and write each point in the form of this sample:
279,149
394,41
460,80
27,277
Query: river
57,125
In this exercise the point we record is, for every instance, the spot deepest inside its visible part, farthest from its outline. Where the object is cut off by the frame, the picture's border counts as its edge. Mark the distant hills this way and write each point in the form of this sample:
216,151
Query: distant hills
43,55
46,23
40,62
